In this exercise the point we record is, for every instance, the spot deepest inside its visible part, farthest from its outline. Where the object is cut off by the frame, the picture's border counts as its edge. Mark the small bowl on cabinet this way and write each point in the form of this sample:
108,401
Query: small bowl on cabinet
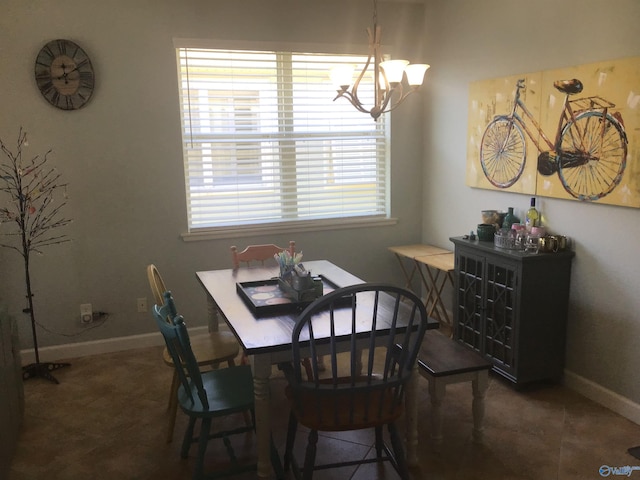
486,232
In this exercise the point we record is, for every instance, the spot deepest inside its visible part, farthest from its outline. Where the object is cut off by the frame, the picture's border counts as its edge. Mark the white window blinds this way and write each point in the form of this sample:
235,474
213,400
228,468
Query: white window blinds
263,142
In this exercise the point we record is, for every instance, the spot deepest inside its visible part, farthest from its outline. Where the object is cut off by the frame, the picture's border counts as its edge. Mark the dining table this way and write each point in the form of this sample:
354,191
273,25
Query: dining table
243,298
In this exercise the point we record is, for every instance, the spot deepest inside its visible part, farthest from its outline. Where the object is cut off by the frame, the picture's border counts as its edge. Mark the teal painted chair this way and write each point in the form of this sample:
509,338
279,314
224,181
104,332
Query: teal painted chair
211,349
206,396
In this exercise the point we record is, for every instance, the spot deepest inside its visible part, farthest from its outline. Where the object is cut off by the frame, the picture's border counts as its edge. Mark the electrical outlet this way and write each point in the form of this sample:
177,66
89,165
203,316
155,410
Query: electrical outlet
86,313
142,305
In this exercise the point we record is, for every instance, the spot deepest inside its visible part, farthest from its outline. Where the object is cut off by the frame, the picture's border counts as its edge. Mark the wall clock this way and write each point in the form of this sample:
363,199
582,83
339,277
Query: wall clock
64,74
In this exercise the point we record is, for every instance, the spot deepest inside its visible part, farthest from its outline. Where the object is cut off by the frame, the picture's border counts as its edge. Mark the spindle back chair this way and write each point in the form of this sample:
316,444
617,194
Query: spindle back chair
384,326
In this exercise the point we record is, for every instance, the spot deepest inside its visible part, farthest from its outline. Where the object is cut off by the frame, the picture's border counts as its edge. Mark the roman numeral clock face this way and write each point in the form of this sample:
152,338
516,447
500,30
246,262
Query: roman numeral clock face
64,75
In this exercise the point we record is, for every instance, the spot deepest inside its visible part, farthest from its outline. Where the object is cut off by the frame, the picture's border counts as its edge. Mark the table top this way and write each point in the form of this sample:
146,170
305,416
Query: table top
418,250
269,333
444,261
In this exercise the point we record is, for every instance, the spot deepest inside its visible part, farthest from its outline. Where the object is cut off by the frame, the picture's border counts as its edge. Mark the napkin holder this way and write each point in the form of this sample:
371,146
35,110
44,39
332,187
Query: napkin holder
301,288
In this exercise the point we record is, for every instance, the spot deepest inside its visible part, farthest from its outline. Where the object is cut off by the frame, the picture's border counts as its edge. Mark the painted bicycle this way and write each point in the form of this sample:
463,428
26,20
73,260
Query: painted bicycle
589,152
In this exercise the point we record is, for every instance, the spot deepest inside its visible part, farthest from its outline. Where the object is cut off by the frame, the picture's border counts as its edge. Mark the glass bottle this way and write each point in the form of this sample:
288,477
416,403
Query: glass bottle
533,216
509,219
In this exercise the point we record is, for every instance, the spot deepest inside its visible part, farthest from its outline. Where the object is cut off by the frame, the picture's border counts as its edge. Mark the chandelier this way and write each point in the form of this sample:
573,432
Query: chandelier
388,90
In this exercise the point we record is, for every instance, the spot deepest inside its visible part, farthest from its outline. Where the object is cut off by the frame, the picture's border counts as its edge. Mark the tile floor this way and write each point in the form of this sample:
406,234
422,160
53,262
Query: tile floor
106,420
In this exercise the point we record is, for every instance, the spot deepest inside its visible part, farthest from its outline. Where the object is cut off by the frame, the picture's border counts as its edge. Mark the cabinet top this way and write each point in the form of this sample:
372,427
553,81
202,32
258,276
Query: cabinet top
489,247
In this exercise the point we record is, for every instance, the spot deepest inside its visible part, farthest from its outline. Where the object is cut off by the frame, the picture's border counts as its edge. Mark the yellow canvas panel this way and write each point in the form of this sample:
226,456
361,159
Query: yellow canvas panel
488,99
571,151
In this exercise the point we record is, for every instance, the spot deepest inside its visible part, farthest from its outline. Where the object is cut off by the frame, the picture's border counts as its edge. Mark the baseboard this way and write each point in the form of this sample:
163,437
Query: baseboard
82,349
593,391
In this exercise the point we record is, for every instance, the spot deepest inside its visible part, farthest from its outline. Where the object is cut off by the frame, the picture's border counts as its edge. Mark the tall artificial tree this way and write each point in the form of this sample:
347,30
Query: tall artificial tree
30,216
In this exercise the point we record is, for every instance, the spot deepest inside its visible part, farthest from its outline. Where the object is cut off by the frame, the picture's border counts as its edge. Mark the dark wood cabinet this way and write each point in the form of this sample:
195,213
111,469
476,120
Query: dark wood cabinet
511,307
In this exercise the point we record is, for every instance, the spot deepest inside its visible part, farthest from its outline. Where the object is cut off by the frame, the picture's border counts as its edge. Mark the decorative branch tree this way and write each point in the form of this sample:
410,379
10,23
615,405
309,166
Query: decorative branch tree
31,216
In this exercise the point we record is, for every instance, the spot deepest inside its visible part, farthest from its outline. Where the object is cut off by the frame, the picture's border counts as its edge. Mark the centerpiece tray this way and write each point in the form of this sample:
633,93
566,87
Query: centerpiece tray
267,297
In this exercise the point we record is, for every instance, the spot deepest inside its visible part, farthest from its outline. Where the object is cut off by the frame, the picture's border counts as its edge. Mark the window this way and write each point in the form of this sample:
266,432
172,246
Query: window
263,142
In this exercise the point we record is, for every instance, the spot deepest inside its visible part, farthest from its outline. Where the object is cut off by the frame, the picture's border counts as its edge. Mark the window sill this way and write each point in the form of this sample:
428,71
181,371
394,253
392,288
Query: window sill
286,227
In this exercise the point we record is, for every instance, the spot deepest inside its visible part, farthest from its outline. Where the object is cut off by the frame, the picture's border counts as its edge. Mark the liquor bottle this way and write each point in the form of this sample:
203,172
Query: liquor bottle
533,216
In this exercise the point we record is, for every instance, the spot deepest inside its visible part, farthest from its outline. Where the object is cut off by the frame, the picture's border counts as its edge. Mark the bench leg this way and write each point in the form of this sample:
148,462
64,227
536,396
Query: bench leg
436,393
411,412
479,386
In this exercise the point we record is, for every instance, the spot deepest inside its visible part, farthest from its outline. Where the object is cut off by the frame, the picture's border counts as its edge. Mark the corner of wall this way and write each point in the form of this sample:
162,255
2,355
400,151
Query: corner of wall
607,398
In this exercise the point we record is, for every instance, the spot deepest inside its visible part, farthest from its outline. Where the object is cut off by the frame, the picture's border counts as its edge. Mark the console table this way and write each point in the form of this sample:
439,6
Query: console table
511,307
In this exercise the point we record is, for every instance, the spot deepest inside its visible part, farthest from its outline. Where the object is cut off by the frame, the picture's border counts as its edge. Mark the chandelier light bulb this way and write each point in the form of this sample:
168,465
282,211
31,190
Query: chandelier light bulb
415,73
394,70
342,76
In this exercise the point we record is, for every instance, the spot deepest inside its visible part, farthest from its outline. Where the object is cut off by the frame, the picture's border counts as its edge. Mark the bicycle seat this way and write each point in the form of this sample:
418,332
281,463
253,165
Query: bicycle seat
570,87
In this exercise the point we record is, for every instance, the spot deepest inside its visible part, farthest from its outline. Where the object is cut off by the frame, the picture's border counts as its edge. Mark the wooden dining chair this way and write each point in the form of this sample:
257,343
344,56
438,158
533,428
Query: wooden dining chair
258,254
384,327
207,396
210,349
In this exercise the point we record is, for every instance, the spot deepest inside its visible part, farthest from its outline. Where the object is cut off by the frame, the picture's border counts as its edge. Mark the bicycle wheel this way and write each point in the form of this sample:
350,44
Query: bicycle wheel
593,155
502,152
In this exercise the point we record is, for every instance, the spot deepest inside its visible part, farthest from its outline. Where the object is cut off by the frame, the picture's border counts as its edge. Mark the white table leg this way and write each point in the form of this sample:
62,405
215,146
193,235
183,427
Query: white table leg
261,365
436,393
411,410
479,386
212,314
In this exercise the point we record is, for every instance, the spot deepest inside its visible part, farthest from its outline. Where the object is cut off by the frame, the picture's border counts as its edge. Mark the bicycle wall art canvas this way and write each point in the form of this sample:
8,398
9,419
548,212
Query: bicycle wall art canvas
571,133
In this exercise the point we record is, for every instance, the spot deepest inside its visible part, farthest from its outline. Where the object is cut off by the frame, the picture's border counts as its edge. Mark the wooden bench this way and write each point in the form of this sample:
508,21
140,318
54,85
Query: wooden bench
442,361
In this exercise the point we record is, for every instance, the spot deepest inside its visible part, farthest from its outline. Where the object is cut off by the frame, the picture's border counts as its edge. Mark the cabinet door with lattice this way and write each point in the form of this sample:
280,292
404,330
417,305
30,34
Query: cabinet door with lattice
469,302
500,314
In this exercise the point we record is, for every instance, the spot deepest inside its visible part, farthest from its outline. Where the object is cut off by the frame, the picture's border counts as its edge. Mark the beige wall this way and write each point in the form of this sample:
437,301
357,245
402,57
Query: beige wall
469,40
122,154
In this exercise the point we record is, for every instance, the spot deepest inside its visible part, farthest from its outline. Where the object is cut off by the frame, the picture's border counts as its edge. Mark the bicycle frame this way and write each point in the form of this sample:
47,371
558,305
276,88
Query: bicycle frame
566,116
517,102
